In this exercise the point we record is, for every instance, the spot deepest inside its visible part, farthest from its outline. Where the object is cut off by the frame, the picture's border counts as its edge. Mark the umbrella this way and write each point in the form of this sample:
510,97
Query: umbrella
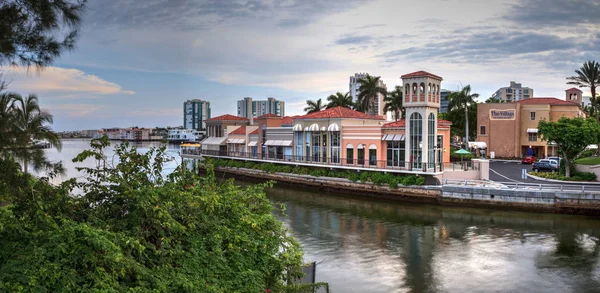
462,152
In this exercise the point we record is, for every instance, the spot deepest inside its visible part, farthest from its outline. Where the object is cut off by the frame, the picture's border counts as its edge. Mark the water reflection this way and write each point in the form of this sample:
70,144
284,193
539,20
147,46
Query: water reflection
380,246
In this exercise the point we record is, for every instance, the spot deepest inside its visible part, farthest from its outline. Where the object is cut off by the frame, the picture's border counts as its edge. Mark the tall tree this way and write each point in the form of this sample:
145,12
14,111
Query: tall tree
340,100
492,100
314,106
7,121
32,124
460,101
588,76
368,91
571,136
393,103
35,32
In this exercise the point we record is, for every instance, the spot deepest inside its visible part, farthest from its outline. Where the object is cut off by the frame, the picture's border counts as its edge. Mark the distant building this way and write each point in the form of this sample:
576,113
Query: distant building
250,109
444,101
355,90
515,92
194,113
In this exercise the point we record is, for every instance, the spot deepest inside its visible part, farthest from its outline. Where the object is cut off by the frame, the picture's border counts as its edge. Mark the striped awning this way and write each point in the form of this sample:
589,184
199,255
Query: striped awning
214,141
314,127
297,127
532,130
252,143
236,140
393,137
278,143
333,127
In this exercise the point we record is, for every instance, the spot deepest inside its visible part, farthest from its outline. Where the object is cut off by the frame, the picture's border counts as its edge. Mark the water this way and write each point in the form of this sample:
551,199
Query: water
365,245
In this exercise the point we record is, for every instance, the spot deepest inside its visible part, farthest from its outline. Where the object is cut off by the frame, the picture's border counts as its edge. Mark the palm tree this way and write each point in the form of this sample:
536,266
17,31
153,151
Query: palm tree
31,124
314,106
368,91
588,76
393,103
7,116
460,101
340,100
492,100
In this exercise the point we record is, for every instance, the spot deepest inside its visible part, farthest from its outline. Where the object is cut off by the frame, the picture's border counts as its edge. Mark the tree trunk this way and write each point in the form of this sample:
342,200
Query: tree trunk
567,168
467,126
595,103
25,166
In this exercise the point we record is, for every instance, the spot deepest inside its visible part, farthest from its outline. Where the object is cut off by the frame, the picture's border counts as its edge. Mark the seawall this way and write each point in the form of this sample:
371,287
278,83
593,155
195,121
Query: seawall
469,196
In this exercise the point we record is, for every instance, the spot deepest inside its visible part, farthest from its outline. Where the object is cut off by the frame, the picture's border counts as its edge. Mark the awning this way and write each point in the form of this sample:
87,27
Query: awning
314,127
384,137
214,141
333,127
270,142
236,140
393,137
477,144
349,146
252,143
297,127
372,147
398,137
323,128
278,143
532,130
361,146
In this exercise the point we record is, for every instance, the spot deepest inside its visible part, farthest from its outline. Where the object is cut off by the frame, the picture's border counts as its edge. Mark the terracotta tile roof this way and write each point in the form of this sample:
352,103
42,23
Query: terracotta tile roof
240,130
227,117
287,120
339,112
547,101
573,89
254,132
269,116
421,74
402,123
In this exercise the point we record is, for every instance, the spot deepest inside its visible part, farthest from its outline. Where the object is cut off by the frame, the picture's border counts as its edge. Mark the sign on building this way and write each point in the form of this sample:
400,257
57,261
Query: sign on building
506,114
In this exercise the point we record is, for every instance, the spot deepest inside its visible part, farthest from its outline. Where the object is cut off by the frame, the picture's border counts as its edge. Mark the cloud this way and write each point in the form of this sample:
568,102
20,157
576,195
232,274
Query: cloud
544,13
351,40
73,110
64,82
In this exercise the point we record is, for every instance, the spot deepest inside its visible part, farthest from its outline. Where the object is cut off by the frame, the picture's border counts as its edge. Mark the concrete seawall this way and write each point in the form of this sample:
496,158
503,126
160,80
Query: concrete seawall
527,200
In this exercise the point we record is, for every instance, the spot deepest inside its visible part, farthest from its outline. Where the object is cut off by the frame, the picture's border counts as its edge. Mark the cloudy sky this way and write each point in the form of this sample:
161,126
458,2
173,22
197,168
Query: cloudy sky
138,60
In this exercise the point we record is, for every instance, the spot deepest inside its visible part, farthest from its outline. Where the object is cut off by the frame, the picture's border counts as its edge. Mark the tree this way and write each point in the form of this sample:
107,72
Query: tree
314,106
588,76
393,103
37,32
368,91
31,125
460,101
7,121
458,121
492,100
136,230
340,100
571,135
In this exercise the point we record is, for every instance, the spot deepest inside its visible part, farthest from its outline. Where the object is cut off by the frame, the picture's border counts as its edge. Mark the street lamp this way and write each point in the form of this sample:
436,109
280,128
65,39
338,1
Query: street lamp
420,159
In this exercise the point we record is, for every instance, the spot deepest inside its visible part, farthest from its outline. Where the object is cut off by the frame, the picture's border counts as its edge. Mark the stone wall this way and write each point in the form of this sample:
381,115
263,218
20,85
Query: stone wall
589,168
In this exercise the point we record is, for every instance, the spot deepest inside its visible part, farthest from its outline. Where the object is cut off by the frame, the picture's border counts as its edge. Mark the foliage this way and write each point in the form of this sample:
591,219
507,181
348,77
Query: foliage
134,230
457,117
37,32
576,176
588,160
454,157
369,88
571,135
393,103
378,178
314,106
462,108
588,76
492,100
340,100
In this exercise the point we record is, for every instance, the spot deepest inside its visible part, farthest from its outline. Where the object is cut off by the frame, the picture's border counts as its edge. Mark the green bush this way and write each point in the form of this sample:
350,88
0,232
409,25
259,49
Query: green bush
575,176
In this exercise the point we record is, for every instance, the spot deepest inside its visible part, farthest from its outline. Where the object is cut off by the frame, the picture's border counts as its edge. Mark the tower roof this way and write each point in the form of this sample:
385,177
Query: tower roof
573,89
421,74
339,112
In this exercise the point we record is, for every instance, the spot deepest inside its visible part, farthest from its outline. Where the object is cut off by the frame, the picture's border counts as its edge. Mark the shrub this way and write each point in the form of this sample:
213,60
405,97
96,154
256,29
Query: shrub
576,176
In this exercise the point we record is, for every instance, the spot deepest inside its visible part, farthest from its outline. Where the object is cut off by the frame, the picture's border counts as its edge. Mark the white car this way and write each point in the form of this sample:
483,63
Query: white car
550,161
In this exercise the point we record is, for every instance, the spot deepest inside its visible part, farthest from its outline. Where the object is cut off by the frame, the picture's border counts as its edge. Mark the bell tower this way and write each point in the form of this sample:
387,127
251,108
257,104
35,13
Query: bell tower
574,95
421,91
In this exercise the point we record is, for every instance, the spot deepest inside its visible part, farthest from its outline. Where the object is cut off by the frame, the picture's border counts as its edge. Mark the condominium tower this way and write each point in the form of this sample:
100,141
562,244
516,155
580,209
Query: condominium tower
248,108
355,90
515,92
194,113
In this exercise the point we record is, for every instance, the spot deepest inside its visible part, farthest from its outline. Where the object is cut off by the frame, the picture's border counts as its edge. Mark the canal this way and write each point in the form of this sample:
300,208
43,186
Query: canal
366,245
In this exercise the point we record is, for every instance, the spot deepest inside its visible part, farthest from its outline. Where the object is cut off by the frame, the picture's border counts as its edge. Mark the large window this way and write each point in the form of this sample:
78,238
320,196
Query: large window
335,147
416,138
299,147
307,143
373,155
350,154
324,147
532,136
431,141
482,130
315,146
532,114
360,154
395,153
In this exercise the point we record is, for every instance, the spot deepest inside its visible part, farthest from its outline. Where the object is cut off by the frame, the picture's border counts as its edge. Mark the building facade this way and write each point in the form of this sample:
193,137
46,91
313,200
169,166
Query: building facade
514,92
511,129
248,108
194,113
354,89
444,100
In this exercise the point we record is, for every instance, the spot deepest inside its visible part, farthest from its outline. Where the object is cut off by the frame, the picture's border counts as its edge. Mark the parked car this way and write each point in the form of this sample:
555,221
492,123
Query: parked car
550,161
528,160
545,165
557,159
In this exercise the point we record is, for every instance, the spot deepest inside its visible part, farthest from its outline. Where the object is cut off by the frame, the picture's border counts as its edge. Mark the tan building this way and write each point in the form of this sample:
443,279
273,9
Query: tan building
514,92
510,129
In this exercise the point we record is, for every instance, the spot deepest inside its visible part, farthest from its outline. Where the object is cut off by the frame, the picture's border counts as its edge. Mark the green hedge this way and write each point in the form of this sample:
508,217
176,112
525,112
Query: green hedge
377,178
575,176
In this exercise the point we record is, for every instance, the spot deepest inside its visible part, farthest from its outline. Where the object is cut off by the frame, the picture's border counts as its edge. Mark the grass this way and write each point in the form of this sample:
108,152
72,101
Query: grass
588,161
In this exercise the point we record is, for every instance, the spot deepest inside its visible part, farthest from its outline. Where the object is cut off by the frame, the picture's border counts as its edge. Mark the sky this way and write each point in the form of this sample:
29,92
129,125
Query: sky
137,61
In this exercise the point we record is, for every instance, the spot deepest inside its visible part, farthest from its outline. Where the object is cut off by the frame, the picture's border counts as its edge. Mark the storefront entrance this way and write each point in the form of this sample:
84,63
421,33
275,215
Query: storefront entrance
536,151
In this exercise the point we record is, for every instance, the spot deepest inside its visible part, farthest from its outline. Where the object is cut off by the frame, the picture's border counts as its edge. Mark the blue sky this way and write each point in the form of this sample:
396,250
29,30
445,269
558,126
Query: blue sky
137,61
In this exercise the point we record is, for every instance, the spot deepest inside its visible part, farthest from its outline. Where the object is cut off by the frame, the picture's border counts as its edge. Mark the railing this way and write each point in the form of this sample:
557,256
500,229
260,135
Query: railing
523,186
462,166
327,161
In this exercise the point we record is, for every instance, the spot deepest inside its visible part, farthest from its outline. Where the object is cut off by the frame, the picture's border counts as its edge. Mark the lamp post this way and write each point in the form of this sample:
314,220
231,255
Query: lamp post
420,159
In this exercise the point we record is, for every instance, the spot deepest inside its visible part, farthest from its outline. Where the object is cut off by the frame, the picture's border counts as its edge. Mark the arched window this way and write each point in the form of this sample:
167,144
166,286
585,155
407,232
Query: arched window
431,140
416,139
422,88
407,89
350,154
360,154
372,155
429,88
414,88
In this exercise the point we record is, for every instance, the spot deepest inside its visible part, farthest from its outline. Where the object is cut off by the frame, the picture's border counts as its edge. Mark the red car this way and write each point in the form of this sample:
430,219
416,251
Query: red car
528,160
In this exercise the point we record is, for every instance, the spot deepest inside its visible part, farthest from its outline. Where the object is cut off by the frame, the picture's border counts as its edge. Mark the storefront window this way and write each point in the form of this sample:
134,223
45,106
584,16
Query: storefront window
299,148
416,138
315,146
350,154
395,153
431,139
335,147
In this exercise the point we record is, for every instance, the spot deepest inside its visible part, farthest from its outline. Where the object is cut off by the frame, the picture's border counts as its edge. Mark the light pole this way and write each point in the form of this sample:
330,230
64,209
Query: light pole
420,158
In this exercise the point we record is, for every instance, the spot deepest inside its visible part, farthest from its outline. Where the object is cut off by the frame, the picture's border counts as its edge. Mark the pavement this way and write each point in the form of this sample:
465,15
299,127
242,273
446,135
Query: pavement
510,171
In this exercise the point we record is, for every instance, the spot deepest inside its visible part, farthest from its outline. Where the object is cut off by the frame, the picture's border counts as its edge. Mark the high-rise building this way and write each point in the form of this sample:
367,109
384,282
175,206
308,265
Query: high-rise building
248,108
194,113
444,101
355,90
515,92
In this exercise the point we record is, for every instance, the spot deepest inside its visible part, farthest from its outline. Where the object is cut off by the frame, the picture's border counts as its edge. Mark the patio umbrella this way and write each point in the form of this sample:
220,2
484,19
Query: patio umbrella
462,152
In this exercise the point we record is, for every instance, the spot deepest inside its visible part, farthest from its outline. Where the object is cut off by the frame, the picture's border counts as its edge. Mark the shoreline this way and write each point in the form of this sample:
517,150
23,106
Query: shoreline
472,197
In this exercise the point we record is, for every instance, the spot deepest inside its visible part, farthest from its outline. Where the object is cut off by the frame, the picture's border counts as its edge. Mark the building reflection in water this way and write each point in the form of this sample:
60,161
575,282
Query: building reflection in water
382,246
